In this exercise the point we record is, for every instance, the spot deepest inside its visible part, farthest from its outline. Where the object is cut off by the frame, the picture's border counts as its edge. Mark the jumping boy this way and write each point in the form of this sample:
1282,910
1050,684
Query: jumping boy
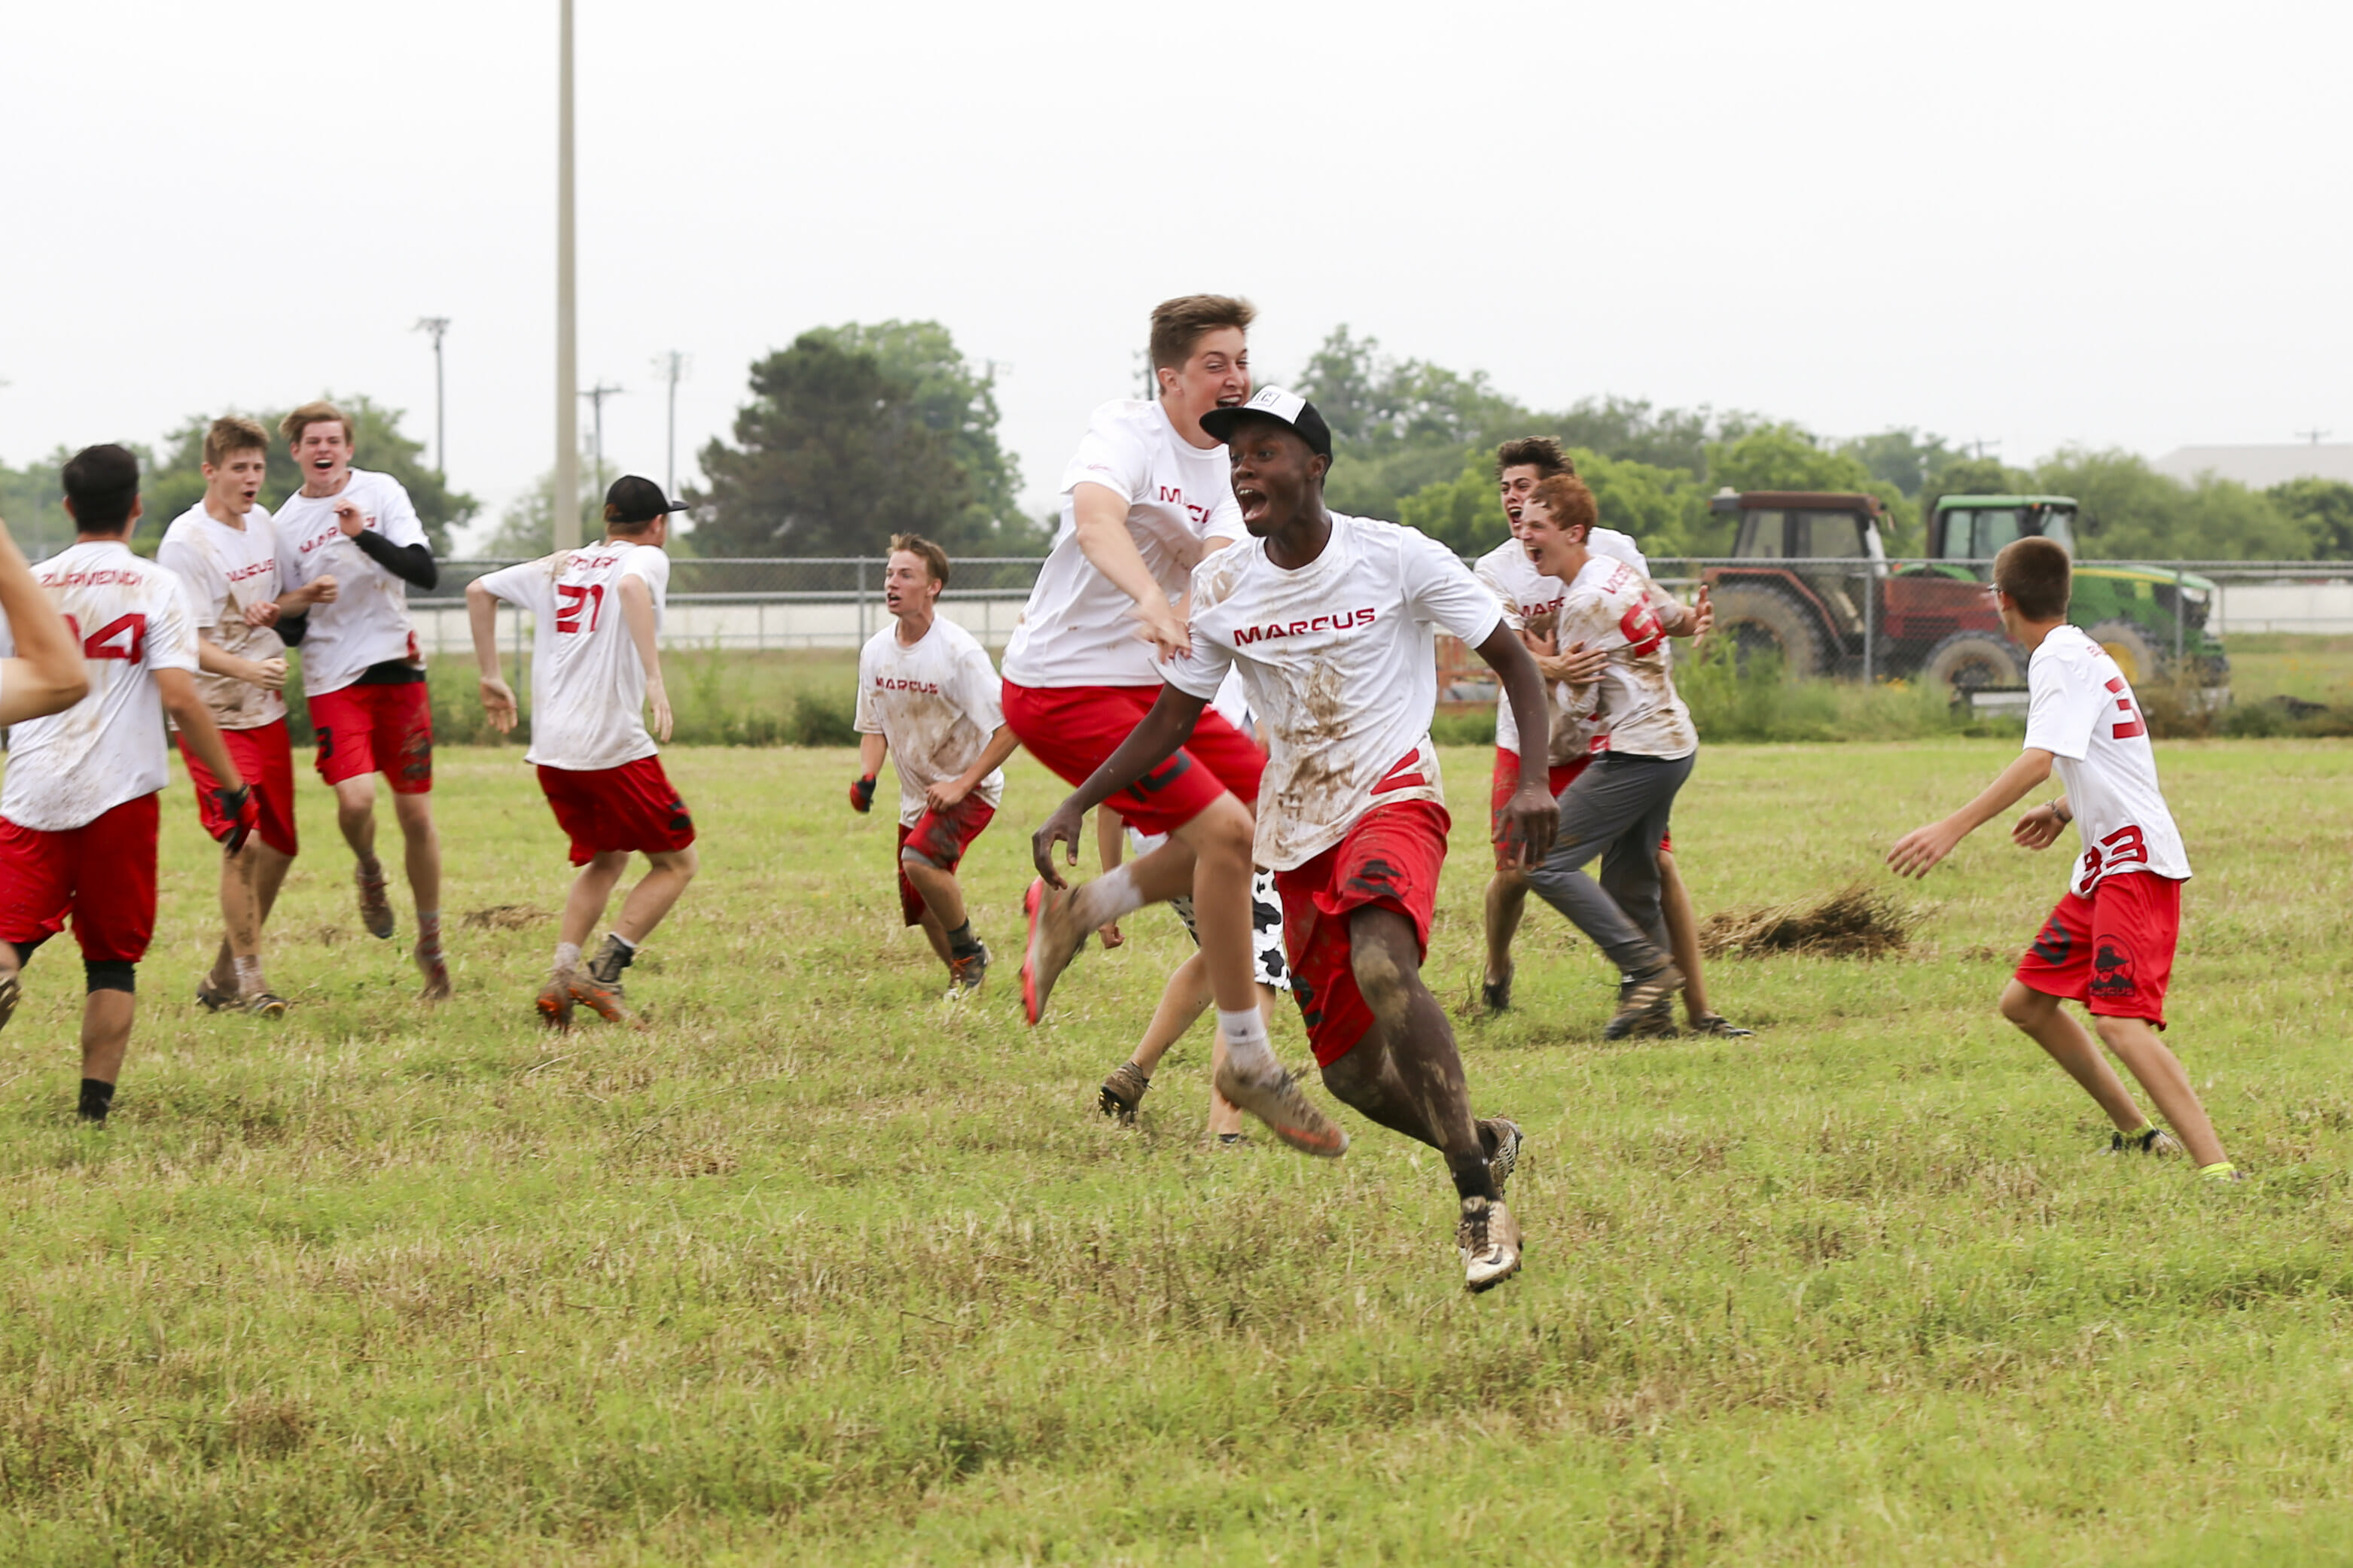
928,696
2109,944
596,668
1330,619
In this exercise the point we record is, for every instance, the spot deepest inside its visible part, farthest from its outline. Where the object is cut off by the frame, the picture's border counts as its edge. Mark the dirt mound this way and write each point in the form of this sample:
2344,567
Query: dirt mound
507,917
1857,922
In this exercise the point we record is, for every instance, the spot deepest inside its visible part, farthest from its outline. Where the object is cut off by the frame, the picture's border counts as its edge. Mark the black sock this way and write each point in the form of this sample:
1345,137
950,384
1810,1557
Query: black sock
611,959
962,942
96,1099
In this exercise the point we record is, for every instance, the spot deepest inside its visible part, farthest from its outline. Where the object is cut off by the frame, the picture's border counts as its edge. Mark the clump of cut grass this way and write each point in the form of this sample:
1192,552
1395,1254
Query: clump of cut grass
1857,922
507,917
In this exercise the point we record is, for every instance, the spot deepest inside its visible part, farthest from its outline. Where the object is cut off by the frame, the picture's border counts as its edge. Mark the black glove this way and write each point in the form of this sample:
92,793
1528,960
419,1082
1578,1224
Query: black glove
861,794
234,811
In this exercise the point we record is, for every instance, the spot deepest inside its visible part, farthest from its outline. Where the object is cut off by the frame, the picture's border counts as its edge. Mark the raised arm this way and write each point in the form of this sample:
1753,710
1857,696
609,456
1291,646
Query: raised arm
482,620
638,615
1531,817
46,675
1100,517
1151,742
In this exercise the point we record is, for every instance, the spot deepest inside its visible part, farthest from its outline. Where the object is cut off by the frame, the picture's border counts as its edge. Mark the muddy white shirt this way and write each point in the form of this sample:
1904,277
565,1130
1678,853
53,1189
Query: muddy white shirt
1340,662
1613,607
587,684
224,570
369,622
934,704
1532,604
132,619
1078,630
2082,711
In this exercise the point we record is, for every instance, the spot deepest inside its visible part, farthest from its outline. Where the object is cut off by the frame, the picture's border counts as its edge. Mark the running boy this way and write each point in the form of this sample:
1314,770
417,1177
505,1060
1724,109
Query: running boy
2109,944
595,667
927,691
362,670
225,551
78,813
1330,619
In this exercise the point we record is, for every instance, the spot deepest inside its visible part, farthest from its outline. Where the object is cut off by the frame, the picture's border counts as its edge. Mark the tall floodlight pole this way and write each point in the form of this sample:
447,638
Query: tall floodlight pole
672,366
596,396
436,325
567,372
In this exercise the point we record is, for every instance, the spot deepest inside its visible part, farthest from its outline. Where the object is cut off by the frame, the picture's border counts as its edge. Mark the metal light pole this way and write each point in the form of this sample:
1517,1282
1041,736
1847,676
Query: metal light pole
568,373
672,367
436,325
596,396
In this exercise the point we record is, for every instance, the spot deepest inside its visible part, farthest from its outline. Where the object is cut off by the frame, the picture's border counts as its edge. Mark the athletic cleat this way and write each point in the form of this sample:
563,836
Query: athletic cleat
1489,1240
1716,1024
555,1003
1285,1107
1640,996
2147,1141
604,997
432,963
1123,1093
966,976
262,1005
1507,1157
2224,1172
1496,996
11,992
212,1000
1233,1140
610,959
1052,945
375,905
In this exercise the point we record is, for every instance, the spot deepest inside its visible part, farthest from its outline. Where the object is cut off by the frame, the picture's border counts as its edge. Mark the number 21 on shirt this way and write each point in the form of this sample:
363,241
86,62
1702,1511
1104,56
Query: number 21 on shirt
572,603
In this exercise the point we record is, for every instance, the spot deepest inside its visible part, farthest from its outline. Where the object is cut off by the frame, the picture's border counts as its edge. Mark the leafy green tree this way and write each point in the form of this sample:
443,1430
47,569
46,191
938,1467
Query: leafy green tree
2130,511
526,528
177,481
1788,457
1621,429
2324,509
1903,458
1666,511
32,502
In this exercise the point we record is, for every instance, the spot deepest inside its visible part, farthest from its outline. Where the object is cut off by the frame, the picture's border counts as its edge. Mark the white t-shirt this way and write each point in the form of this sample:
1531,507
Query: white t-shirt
1532,603
224,570
1614,607
368,623
1078,630
936,704
2082,711
130,618
587,685
1340,662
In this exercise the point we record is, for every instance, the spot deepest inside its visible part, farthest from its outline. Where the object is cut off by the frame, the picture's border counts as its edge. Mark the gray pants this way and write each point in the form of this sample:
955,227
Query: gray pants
1618,809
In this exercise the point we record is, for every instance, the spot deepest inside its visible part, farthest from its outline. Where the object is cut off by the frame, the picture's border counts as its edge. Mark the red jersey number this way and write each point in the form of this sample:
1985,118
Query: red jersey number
1641,628
2130,724
123,637
2124,846
574,604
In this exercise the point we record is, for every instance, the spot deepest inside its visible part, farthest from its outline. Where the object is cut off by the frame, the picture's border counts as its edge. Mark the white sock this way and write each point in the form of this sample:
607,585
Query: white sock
1247,1045
567,957
1110,896
248,973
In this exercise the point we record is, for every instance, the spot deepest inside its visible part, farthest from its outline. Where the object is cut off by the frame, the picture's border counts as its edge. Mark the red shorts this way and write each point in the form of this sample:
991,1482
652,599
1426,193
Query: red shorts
102,873
1507,781
1073,729
1390,860
942,838
376,729
617,810
2112,951
265,759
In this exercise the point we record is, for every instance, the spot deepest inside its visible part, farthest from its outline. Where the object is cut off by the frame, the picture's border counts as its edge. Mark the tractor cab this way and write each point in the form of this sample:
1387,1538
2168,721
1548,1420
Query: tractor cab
1975,527
1810,564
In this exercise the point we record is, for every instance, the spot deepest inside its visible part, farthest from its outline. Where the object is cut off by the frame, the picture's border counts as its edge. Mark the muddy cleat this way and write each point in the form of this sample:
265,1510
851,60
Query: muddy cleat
1507,1157
261,1005
1716,1024
604,997
375,905
1496,996
554,1002
435,966
1489,1239
2225,1172
211,998
2147,1141
11,992
1279,1101
1640,998
966,976
1123,1092
1053,942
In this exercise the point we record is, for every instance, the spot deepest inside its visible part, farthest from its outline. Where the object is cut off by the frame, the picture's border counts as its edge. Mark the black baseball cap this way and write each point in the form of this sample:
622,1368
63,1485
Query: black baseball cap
634,500
1274,402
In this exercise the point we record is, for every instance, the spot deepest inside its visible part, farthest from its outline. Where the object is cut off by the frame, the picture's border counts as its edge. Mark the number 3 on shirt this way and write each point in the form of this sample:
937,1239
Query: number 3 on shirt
1639,626
2130,724
568,603
123,637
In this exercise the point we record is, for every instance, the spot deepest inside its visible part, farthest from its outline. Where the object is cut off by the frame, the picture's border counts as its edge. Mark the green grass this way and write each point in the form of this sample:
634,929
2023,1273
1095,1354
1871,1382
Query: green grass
818,1269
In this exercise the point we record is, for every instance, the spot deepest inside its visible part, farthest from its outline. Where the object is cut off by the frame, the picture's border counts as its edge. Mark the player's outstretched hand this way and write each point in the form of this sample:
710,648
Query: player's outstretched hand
238,812
1917,851
1529,823
1160,625
657,699
1064,827
1704,610
861,794
2038,828
498,704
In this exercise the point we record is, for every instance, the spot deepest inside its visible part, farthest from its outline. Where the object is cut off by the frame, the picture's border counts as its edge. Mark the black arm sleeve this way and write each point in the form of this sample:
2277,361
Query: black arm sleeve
290,629
412,564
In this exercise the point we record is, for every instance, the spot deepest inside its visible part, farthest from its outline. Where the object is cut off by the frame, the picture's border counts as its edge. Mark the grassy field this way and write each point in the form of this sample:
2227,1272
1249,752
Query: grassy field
817,1269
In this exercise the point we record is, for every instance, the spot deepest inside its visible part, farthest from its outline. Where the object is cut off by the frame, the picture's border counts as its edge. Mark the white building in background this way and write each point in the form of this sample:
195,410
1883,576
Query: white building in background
2261,468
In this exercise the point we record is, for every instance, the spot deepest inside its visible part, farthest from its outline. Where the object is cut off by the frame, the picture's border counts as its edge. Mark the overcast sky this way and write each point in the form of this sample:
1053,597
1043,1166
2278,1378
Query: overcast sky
2032,223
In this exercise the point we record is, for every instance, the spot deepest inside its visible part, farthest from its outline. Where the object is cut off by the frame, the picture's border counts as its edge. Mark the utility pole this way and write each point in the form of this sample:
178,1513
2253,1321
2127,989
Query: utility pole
596,396
567,508
436,325
672,366
2314,437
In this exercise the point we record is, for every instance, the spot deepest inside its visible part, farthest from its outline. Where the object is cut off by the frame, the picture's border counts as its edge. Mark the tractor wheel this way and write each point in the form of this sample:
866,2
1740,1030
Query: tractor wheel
2135,651
1762,621
1972,661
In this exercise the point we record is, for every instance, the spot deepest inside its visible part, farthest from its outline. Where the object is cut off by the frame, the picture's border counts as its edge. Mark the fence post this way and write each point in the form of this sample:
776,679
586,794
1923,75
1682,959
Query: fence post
1870,618
862,601
2181,615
